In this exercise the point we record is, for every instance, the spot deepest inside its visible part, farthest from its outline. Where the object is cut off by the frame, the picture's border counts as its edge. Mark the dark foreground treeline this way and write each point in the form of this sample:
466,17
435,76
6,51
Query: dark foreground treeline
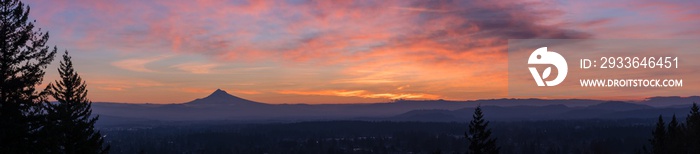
29,123
576,136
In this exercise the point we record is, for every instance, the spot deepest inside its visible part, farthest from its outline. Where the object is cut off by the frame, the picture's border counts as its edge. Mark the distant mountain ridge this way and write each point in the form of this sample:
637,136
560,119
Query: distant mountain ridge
619,106
221,105
605,110
661,101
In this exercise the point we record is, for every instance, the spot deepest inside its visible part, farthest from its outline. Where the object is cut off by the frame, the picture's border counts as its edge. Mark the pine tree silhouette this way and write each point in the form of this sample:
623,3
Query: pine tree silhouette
658,142
677,137
23,57
69,123
674,134
479,135
692,130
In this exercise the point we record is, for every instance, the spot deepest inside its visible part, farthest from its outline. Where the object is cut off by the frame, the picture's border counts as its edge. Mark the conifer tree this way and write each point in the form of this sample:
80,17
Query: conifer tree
658,142
479,135
23,57
674,135
692,130
69,121
677,137
693,119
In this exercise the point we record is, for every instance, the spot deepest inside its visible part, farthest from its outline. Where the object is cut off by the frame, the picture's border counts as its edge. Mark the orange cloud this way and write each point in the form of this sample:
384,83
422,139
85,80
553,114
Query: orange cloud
195,90
209,90
138,64
248,92
122,84
197,68
361,93
403,87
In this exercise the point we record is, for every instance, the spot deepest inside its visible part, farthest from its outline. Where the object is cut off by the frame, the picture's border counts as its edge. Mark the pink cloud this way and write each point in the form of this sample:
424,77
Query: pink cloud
138,64
445,48
378,43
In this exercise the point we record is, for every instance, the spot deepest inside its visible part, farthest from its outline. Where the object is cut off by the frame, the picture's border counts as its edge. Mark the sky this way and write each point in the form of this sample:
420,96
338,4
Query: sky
297,51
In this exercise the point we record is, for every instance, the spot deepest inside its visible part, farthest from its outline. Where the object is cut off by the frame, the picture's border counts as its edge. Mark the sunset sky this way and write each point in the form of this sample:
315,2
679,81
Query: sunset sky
295,51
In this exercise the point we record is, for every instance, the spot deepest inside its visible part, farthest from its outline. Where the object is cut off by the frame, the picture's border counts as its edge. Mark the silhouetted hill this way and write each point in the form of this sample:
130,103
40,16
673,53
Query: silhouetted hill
662,101
427,115
605,110
516,102
619,106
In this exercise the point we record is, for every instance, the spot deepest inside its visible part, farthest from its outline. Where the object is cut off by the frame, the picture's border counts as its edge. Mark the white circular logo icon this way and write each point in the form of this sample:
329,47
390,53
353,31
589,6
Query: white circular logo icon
542,56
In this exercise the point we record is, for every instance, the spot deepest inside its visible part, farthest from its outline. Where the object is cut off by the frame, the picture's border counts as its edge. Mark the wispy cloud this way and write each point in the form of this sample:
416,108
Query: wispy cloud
419,9
248,92
122,84
403,87
138,64
197,68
